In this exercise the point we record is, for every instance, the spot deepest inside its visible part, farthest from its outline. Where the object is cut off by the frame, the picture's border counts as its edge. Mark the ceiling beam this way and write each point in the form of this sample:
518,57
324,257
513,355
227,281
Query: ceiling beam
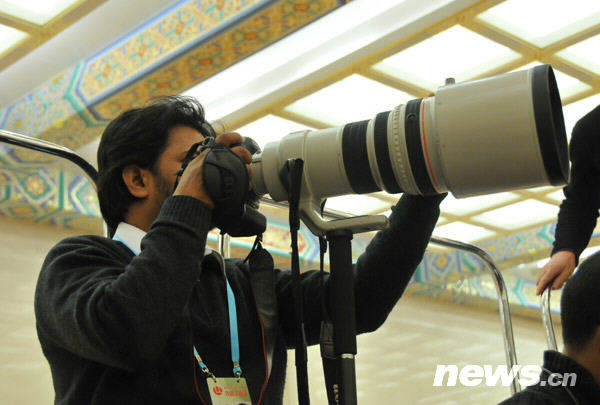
302,119
40,34
394,82
19,24
573,39
502,37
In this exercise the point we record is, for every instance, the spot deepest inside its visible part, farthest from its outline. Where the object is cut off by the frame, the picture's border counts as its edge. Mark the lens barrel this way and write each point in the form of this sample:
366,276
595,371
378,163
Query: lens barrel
495,134
550,124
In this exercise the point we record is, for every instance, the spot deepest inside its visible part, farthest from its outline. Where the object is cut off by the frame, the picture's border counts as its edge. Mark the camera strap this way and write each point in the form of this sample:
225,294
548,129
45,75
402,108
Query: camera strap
291,174
262,281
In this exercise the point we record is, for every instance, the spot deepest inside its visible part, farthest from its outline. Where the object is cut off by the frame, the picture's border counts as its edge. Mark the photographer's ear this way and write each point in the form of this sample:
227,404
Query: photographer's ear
137,180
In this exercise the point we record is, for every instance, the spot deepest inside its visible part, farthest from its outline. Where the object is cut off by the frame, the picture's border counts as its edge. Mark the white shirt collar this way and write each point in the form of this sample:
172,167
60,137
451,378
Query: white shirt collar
132,236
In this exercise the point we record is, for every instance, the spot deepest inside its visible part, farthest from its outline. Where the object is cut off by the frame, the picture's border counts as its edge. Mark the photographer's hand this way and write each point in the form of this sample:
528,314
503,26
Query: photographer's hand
191,183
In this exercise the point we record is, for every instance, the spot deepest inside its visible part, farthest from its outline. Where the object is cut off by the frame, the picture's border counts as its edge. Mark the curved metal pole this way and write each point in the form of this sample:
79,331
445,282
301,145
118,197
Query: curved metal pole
503,305
547,318
50,148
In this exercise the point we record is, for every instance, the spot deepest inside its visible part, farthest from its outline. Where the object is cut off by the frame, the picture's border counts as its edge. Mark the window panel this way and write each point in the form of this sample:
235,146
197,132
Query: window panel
542,22
36,11
9,37
456,52
352,99
584,54
517,215
356,204
462,206
269,128
462,232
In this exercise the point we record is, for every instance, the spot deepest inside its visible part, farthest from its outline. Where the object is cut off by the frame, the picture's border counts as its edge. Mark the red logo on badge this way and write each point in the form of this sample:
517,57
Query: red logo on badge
218,390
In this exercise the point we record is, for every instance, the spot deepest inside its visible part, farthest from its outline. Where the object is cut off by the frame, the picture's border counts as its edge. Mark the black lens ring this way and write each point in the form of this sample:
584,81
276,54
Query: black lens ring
552,138
382,153
416,155
356,158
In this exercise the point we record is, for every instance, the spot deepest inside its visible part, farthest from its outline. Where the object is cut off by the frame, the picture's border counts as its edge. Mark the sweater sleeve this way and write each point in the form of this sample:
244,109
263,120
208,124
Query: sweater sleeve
579,210
90,303
381,273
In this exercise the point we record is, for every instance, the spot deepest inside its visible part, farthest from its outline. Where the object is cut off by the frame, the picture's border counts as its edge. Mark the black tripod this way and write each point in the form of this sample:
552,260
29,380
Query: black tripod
338,337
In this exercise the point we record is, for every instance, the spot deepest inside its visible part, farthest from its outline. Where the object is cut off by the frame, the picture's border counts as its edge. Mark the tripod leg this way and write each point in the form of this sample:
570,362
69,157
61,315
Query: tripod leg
342,306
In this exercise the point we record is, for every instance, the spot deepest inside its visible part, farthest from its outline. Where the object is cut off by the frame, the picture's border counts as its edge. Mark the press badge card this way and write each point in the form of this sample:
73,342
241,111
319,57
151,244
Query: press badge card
228,391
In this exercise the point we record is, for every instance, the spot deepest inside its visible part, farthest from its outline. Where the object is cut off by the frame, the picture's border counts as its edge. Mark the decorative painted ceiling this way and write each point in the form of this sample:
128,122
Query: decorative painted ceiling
193,44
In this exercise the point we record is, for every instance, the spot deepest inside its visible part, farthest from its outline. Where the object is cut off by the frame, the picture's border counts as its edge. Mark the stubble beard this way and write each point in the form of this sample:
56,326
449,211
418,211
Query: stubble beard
163,190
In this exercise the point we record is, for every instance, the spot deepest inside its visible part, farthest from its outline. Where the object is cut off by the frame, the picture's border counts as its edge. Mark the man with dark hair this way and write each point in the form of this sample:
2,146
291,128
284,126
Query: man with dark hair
137,137
573,377
150,317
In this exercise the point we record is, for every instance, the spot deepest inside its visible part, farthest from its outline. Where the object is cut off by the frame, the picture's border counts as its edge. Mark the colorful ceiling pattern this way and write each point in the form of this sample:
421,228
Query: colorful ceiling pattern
44,194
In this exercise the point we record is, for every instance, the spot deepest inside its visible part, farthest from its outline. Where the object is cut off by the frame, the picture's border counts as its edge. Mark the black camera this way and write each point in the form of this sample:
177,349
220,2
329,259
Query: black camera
227,183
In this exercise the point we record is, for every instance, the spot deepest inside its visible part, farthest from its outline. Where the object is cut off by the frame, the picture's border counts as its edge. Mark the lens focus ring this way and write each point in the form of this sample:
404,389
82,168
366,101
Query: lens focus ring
397,139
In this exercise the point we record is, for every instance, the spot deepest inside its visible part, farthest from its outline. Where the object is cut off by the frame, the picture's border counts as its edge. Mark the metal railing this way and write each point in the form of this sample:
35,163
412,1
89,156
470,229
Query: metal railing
50,148
547,318
503,305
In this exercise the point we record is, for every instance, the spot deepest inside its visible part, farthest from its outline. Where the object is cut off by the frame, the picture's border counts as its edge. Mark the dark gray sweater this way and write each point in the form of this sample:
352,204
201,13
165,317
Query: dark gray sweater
118,328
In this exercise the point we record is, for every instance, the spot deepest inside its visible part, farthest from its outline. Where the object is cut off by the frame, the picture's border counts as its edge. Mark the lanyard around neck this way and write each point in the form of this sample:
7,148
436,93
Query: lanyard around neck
233,324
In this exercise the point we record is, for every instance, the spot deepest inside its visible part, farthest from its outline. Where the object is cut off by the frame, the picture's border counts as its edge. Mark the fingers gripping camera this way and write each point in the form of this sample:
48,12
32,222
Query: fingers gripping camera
226,180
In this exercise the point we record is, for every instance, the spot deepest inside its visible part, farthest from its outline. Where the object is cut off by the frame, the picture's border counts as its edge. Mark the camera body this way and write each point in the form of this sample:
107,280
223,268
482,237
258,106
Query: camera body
227,183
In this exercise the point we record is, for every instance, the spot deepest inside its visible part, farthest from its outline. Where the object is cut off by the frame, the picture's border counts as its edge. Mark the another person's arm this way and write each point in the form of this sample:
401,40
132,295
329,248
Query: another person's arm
579,210
382,272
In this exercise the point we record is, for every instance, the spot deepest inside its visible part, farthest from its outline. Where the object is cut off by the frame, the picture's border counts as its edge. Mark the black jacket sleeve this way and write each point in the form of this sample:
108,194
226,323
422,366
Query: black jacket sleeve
382,272
579,210
101,304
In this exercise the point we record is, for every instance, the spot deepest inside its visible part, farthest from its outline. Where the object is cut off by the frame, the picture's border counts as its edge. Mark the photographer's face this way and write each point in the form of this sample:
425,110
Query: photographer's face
181,139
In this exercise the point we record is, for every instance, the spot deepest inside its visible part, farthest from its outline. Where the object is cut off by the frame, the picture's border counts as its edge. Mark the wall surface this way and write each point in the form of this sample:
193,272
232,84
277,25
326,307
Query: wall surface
24,373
